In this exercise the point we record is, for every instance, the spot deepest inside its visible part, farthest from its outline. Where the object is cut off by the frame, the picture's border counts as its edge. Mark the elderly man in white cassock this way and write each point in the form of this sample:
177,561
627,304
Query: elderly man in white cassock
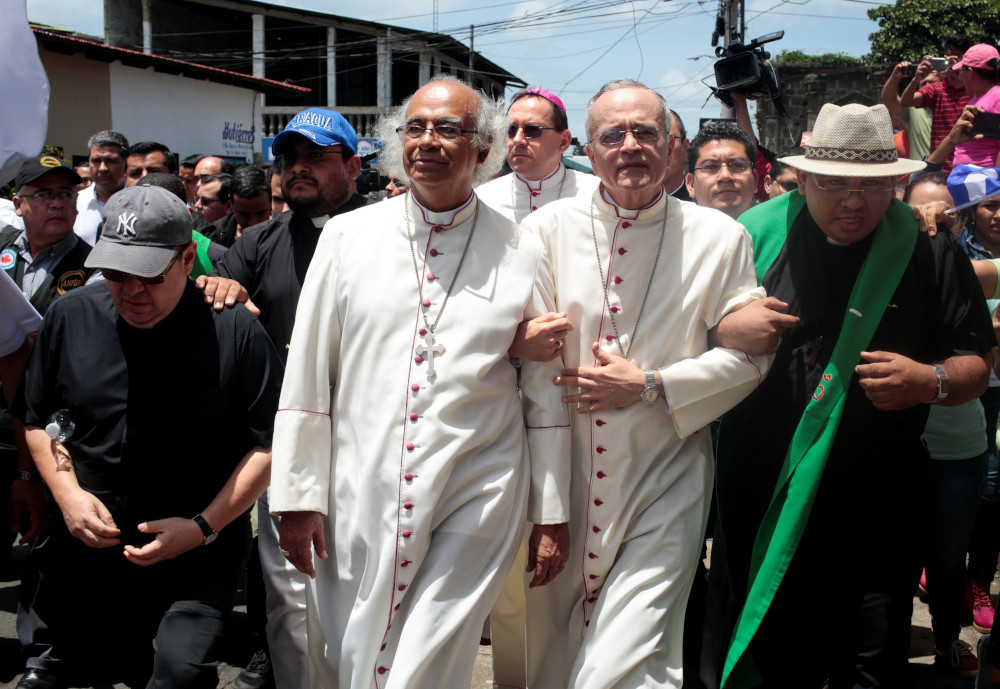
644,278
405,457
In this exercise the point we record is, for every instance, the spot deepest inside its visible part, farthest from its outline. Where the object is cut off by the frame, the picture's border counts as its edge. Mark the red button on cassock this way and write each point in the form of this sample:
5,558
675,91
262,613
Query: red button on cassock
598,502
600,422
408,476
615,309
414,416
592,576
622,251
415,387
534,208
422,331
434,252
383,670
401,587
419,359
601,450
396,607
591,556
436,228
601,474
430,276
618,280
596,529
383,647
408,505
410,446
609,337
427,302
406,533
404,563
626,224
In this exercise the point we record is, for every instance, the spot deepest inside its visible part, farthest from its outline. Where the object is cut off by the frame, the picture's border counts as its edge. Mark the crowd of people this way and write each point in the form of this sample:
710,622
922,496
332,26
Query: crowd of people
488,407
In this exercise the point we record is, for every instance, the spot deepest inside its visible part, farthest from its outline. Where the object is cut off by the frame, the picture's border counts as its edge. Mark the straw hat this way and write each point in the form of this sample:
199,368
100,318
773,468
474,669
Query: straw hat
853,141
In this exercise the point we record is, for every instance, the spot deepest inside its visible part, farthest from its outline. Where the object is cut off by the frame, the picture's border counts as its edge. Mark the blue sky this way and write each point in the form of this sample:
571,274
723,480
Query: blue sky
574,53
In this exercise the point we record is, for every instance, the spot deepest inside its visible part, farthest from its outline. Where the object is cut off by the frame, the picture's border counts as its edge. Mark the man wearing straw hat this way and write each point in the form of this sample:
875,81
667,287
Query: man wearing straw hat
821,472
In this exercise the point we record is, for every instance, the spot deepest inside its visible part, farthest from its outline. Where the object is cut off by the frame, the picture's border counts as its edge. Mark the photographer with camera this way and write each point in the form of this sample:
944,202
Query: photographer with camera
945,98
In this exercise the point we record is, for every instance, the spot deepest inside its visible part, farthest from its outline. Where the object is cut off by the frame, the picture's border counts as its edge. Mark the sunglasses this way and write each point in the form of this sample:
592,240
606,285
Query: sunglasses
112,275
531,131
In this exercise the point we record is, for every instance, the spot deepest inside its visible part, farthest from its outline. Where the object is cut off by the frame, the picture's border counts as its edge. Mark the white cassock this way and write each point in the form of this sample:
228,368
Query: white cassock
515,197
642,475
423,480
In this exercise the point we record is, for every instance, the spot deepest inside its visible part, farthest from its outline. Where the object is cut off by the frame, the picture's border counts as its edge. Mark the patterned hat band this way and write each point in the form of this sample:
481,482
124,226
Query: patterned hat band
851,155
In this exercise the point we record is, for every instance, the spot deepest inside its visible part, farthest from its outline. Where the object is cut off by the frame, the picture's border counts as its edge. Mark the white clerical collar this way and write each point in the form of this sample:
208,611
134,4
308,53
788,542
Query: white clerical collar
549,181
319,222
442,218
629,213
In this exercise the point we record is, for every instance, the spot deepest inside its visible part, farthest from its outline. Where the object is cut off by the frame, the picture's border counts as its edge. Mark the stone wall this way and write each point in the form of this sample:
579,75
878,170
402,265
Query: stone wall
806,88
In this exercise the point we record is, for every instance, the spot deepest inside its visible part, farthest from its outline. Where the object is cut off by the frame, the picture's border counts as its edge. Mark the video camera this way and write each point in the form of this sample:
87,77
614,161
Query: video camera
745,68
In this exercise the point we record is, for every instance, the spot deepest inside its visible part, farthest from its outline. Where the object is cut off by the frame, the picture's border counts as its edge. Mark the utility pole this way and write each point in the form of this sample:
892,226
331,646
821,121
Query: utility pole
435,16
472,54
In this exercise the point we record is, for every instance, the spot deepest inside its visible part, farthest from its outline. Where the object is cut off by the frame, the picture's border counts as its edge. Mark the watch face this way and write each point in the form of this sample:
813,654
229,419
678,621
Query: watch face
209,539
649,395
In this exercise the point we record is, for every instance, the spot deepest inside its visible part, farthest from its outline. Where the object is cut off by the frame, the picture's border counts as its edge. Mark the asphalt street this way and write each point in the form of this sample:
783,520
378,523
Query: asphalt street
236,652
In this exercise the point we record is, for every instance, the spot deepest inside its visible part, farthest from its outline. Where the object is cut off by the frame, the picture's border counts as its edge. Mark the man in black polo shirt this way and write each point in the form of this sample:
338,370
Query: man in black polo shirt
319,171
140,564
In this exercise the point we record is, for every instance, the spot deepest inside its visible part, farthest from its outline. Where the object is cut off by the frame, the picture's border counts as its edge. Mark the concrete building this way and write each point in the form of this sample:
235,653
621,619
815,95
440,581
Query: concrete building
358,67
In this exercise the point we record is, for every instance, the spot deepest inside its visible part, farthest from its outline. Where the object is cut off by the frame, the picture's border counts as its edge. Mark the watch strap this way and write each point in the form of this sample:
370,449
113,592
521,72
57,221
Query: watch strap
206,530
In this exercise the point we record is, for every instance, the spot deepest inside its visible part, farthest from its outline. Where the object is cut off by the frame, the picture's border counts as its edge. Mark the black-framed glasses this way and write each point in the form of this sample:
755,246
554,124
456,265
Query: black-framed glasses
531,131
310,156
840,188
50,195
204,200
735,167
112,275
643,133
787,184
442,132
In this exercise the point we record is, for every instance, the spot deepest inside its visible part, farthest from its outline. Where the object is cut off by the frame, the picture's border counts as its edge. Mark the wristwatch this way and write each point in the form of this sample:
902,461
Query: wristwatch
650,393
206,530
942,387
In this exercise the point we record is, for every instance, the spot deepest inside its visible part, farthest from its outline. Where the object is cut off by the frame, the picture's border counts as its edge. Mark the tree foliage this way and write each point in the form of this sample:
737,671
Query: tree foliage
911,29
825,61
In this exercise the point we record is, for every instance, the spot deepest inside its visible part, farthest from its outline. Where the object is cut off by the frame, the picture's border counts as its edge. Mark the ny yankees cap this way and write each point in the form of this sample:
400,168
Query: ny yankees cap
322,127
34,168
143,228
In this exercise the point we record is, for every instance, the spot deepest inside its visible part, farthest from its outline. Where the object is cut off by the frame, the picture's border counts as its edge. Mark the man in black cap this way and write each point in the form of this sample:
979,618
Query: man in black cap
317,151
146,549
44,260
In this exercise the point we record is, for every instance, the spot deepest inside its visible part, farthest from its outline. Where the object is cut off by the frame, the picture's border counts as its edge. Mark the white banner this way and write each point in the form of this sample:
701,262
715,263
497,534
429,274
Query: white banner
24,107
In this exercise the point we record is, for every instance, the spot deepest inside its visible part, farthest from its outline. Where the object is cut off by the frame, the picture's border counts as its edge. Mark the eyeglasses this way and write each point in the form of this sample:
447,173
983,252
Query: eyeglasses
840,188
310,156
112,275
49,195
735,167
442,132
204,200
531,131
643,133
788,184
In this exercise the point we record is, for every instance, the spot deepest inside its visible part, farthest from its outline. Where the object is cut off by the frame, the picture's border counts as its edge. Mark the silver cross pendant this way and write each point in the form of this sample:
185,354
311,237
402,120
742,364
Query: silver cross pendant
427,351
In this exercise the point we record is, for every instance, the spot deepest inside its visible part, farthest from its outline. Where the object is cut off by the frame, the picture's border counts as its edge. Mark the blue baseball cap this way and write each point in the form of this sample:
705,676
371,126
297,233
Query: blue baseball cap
969,184
322,127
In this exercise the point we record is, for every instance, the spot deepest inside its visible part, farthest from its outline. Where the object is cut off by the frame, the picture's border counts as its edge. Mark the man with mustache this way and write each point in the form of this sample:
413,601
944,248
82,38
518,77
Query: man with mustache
319,171
721,172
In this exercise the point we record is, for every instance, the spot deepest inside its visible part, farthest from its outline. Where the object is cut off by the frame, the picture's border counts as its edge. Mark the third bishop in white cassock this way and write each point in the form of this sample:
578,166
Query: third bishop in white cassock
642,475
409,435
516,197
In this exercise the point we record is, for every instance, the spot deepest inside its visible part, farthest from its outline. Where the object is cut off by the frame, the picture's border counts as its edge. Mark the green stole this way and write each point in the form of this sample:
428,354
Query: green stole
786,517
202,264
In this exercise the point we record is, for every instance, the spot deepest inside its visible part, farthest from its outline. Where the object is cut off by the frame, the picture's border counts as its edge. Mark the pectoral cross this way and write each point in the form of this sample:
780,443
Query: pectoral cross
427,351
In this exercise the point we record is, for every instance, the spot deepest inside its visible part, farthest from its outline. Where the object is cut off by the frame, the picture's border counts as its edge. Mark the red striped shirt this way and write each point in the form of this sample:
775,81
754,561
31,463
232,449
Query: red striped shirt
946,104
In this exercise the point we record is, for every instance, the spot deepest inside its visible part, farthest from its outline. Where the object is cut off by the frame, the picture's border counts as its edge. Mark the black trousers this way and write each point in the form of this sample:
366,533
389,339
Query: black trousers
89,614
